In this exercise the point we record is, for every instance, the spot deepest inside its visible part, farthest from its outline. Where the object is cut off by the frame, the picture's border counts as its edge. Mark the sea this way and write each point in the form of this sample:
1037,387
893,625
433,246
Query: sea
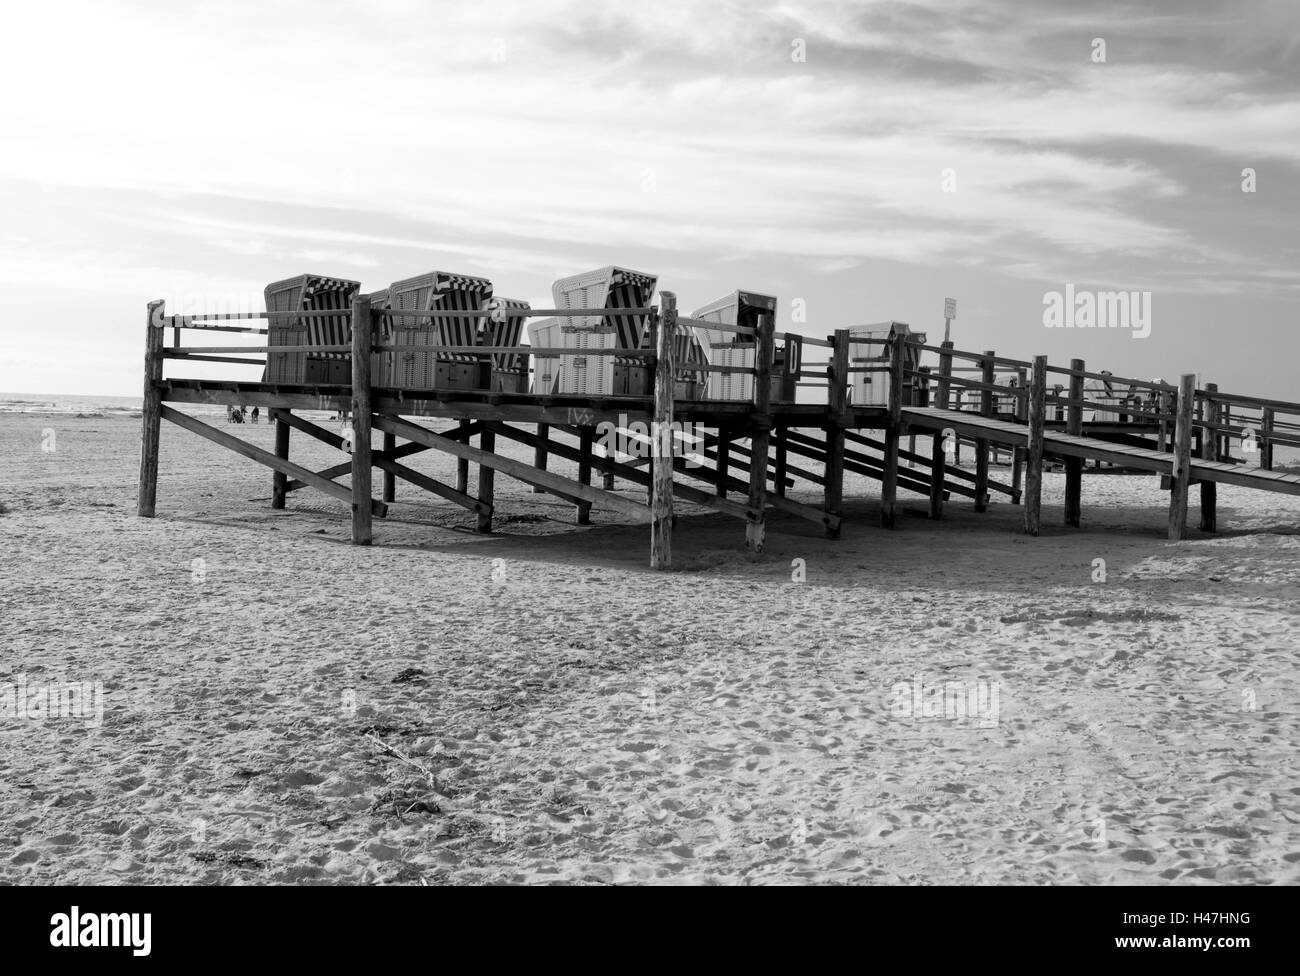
78,405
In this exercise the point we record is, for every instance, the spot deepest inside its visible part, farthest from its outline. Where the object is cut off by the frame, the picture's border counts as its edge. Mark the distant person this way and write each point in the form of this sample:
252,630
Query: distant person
255,415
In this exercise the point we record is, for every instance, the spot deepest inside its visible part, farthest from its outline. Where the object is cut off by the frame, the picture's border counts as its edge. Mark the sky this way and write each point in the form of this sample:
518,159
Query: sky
861,161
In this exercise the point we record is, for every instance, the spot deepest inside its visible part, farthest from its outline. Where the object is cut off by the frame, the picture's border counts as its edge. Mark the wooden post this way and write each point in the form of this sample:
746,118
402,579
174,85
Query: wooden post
1034,451
1018,453
938,459
462,465
586,436
889,477
760,442
778,437
1209,452
151,413
1074,465
724,460
361,529
279,480
837,397
1162,409
390,479
793,367
661,436
1266,438
540,452
1182,445
487,441
982,443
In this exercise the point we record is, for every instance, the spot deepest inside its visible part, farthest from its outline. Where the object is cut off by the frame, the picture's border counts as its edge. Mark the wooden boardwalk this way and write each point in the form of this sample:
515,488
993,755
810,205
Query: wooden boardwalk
756,450
1088,448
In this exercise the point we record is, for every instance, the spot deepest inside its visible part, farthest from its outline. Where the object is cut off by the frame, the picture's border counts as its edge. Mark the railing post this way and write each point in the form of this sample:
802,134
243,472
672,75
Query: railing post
1034,451
661,435
793,355
1074,465
982,443
889,477
1266,439
1179,482
837,396
938,458
361,421
151,411
1018,453
761,421
1209,452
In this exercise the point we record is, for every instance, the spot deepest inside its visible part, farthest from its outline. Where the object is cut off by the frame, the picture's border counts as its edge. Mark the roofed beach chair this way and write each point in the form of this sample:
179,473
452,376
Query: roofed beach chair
418,366
872,389
608,288
722,347
304,293
506,372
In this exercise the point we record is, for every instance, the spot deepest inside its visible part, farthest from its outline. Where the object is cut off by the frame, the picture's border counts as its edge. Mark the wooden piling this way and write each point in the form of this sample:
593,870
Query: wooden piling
760,441
462,465
486,483
661,434
938,459
361,467
279,480
723,460
586,437
837,398
540,453
782,461
982,444
1074,465
1018,453
1266,438
889,478
1209,452
151,413
390,479
1182,450
1034,451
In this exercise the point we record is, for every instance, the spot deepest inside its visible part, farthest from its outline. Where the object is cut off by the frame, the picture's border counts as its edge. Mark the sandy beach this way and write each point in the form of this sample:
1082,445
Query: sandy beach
537,705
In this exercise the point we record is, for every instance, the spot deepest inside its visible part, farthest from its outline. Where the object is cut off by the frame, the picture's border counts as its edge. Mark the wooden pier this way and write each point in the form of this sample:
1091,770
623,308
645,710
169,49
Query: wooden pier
1182,432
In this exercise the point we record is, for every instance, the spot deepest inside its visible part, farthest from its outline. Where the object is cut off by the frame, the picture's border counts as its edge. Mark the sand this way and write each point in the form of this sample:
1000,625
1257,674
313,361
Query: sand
538,706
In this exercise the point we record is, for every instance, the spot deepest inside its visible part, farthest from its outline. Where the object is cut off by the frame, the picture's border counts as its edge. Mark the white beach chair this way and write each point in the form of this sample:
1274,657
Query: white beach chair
720,347
610,288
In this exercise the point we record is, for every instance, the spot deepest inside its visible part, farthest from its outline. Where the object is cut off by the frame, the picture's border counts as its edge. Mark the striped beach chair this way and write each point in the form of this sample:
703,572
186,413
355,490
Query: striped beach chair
545,333
507,372
310,293
722,348
381,363
608,288
422,367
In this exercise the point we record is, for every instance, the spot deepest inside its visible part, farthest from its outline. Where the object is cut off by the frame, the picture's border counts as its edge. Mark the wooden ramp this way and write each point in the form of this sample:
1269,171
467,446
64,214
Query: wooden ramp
1090,448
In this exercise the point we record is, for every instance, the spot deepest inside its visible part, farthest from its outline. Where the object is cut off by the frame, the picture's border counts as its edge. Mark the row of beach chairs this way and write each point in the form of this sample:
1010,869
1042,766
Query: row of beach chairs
411,321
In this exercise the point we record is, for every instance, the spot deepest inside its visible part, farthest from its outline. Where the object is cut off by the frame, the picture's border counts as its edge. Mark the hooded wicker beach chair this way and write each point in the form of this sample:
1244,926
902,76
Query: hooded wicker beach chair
608,288
419,366
305,293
